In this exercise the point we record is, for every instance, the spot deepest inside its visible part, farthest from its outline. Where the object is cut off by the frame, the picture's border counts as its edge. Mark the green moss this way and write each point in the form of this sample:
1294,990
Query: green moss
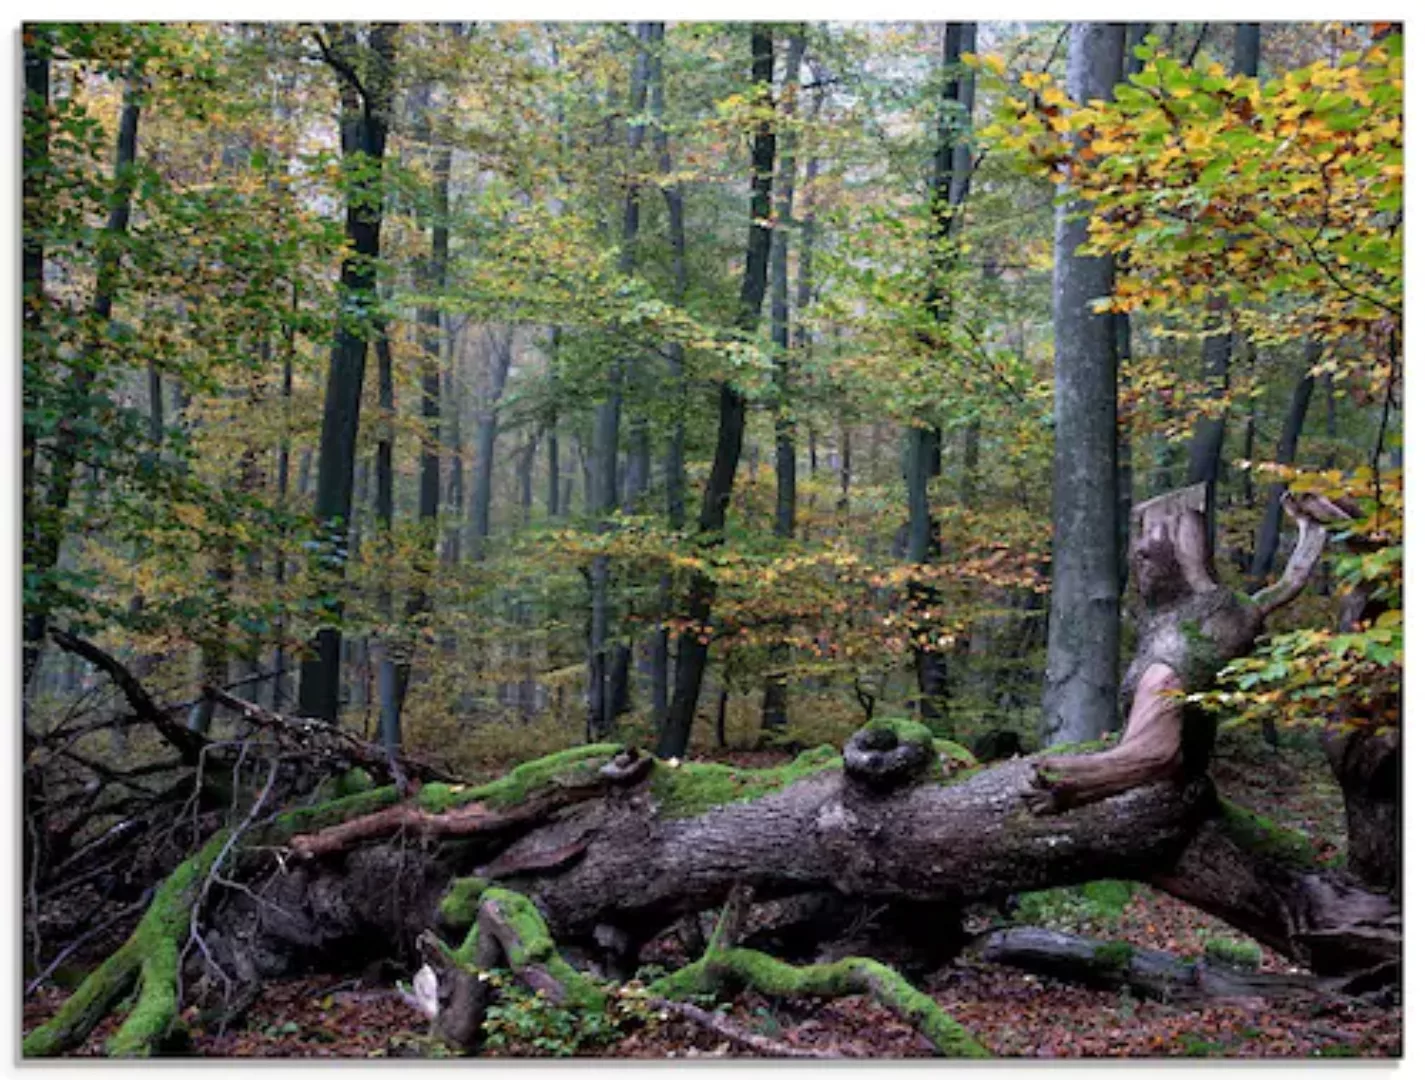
436,798
1112,956
955,754
690,789
1239,954
89,1004
905,730
461,903
1088,746
1265,837
727,970
1109,897
572,765
534,947
307,819
354,782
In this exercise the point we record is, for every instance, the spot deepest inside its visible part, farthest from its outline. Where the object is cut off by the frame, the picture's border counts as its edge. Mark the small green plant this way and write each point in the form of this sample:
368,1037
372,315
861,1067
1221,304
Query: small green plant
1238,954
1096,904
527,1022
1194,1046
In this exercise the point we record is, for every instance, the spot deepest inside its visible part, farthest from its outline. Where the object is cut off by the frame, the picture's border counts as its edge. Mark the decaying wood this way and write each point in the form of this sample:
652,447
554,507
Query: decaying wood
1190,626
187,743
1148,973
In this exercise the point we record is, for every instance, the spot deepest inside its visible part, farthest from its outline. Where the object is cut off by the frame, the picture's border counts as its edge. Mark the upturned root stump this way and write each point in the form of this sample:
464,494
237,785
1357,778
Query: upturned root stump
1190,626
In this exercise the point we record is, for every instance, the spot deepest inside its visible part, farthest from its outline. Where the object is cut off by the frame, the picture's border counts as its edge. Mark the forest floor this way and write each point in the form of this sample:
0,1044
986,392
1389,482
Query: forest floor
1014,1014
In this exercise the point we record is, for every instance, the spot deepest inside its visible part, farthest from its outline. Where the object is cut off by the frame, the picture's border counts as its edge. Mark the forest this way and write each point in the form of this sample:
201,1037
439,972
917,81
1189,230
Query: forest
690,539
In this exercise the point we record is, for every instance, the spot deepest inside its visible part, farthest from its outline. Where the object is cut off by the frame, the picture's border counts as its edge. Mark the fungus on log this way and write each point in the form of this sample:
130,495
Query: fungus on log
1190,626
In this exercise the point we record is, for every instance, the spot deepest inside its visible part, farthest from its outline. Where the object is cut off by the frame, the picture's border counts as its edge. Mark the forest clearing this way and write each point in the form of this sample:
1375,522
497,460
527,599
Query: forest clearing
709,539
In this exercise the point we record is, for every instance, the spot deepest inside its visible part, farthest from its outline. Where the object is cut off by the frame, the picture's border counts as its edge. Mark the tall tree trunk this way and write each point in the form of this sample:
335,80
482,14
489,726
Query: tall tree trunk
1080,686
394,675
950,187
36,354
454,445
604,673
500,355
366,106
281,684
45,524
732,415
774,691
675,478
1123,336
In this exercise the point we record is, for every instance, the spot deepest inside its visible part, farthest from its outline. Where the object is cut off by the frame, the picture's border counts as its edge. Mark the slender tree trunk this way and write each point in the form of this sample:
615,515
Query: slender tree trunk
950,186
608,674
675,472
45,524
281,684
1269,532
732,413
500,353
365,116
1080,687
774,692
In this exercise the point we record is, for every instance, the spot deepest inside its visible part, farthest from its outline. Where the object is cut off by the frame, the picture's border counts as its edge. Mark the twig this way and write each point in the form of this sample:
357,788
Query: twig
720,1025
186,742
92,932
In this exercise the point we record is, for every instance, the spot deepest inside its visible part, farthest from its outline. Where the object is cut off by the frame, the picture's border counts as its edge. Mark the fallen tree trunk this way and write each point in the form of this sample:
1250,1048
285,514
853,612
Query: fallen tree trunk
600,848
625,845
1148,973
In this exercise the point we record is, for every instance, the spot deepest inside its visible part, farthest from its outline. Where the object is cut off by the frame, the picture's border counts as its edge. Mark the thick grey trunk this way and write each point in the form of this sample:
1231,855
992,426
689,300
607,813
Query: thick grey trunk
1080,686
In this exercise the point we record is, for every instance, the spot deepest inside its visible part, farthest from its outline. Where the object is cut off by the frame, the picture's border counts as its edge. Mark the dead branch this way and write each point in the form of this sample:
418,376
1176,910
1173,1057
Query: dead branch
187,743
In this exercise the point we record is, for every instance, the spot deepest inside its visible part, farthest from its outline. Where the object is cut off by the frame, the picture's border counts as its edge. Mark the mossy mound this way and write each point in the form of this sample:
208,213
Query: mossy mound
687,789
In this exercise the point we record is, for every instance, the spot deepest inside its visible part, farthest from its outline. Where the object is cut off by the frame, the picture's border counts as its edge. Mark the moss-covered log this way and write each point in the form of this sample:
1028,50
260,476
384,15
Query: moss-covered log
600,848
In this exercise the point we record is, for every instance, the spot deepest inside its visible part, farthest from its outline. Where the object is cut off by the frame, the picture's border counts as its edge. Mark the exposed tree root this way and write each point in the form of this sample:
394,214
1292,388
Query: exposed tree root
152,953
723,969
508,931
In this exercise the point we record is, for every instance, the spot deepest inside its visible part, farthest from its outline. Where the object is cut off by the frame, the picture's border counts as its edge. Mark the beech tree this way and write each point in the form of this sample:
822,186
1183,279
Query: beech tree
1081,676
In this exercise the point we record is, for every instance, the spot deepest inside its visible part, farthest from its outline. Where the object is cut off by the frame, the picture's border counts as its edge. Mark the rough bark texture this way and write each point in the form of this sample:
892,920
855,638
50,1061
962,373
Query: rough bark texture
1082,659
603,848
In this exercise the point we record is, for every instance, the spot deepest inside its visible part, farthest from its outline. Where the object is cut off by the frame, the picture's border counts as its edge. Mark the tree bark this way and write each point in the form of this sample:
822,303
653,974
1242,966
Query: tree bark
732,412
1082,659
675,470
500,355
366,105
950,186
774,691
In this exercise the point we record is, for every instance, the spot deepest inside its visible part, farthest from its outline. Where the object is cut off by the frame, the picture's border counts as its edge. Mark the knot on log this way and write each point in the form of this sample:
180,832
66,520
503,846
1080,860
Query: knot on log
887,754
626,767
